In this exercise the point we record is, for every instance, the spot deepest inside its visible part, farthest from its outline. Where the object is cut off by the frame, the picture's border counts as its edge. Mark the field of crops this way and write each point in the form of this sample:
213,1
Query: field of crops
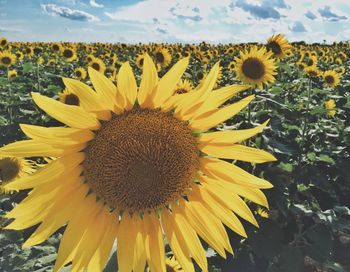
302,89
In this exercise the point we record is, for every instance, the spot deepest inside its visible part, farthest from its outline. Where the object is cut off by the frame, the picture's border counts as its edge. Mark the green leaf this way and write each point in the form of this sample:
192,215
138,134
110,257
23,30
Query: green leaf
27,67
326,158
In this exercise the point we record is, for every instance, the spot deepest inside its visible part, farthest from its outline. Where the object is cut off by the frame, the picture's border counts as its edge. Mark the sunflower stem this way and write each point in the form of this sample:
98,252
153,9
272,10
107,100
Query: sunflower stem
37,77
10,94
306,119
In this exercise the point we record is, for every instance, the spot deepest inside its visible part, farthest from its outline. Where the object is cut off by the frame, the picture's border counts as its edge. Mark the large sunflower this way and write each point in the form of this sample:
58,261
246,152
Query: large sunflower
278,45
133,168
331,78
255,67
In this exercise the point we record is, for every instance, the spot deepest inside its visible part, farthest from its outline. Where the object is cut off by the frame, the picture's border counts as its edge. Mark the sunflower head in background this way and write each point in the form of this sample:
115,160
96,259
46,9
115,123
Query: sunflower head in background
331,78
255,67
12,168
7,58
184,86
172,265
330,107
80,73
312,71
69,98
135,164
12,74
278,45
162,56
139,60
69,54
3,42
56,48
98,65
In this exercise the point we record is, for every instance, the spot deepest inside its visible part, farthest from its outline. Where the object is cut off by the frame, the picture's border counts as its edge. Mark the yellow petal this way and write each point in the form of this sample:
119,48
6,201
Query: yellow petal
231,201
56,135
127,85
73,116
236,152
88,98
105,88
224,214
207,226
220,115
233,136
198,97
55,170
154,243
176,241
166,85
76,228
148,82
34,148
229,172
217,98
57,216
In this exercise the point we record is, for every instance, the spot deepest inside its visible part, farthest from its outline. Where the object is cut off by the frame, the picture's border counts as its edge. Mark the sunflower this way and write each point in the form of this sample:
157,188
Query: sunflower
139,60
133,168
12,73
231,66
330,107
184,86
19,55
162,56
7,58
80,73
172,265
56,47
255,67
3,42
29,51
69,98
312,71
331,78
278,45
12,168
69,54
98,65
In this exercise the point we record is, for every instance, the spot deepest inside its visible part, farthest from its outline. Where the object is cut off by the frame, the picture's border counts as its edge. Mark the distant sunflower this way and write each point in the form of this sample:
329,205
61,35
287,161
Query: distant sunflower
232,66
56,47
98,65
29,51
7,58
80,73
12,73
330,107
312,71
331,78
3,42
278,45
12,168
172,265
69,54
312,61
69,98
162,56
139,60
255,67
131,168
184,86
19,55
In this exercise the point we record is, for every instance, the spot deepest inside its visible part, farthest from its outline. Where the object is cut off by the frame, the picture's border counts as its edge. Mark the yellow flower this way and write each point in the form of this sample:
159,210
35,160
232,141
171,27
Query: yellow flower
134,164
12,168
278,45
80,73
172,265
162,56
184,86
69,98
3,42
69,54
312,71
330,107
7,58
12,73
255,67
331,78
98,65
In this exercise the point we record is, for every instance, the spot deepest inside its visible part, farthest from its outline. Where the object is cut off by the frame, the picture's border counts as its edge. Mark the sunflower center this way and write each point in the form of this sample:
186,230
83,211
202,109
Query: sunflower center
96,66
181,91
67,53
78,73
274,47
3,42
169,268
159,57
55,47
9,169
253,68
141,62
329,79
71,99
141,159
6,60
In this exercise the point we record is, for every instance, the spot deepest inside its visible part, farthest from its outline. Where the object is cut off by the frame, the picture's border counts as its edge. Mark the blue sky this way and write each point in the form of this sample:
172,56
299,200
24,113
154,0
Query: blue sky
215,21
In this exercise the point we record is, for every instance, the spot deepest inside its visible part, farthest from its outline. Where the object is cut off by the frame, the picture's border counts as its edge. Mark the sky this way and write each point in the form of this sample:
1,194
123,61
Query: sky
172,21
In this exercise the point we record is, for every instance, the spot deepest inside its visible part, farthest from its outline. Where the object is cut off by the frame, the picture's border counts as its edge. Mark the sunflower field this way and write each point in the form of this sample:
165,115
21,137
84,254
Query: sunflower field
175,157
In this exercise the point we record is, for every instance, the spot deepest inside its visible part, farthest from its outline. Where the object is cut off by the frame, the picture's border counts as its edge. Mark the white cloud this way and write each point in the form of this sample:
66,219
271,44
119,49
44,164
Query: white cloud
71,14
95,5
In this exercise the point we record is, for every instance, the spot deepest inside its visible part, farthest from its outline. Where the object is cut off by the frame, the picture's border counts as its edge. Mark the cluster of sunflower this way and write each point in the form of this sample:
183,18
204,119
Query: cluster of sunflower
142,154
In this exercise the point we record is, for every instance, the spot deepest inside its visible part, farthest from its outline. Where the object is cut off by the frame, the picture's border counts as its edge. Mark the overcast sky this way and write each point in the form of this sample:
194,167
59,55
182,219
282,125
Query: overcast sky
215,21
